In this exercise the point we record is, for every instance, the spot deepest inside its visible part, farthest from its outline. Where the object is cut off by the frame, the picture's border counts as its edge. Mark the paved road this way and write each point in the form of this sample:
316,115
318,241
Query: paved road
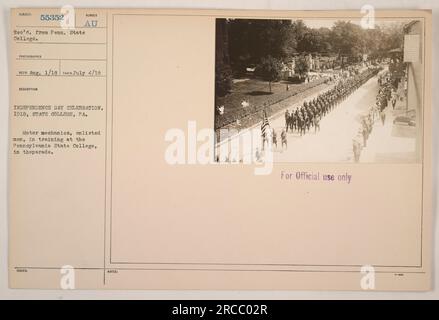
333,143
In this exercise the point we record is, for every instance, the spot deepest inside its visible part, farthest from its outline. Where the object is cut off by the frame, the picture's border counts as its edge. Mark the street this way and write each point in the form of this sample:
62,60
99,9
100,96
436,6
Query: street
333,143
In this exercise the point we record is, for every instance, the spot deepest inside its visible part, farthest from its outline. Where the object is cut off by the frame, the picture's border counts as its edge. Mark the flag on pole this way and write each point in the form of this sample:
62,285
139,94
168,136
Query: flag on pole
265,125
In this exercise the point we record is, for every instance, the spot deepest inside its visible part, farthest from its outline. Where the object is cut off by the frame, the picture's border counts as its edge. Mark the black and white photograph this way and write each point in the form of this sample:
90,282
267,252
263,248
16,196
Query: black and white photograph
319,90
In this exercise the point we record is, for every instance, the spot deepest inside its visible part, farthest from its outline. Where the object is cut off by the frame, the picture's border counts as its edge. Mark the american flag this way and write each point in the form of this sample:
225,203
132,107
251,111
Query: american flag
265,125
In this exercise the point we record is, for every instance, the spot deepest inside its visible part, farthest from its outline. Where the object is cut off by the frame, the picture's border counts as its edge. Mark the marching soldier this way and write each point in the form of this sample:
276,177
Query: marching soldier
283,137
383,116
365,134
274,138
356,146
316,124
287,119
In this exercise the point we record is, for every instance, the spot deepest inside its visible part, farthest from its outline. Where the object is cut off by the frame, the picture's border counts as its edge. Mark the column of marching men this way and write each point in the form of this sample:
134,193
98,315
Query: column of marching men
308,116
386,94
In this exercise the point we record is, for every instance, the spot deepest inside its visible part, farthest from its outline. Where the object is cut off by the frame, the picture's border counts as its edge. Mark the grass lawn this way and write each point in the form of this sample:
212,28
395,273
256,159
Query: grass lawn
257,93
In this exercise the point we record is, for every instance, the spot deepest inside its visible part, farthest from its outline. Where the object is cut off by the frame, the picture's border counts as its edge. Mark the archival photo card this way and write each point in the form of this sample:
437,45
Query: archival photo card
220,149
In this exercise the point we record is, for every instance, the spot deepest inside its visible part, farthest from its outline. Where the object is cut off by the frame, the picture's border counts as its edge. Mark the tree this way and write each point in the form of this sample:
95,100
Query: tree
250,40
270,69
223,79
393,35
325,45
348,39
310,41
223,70
299,29
301,66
